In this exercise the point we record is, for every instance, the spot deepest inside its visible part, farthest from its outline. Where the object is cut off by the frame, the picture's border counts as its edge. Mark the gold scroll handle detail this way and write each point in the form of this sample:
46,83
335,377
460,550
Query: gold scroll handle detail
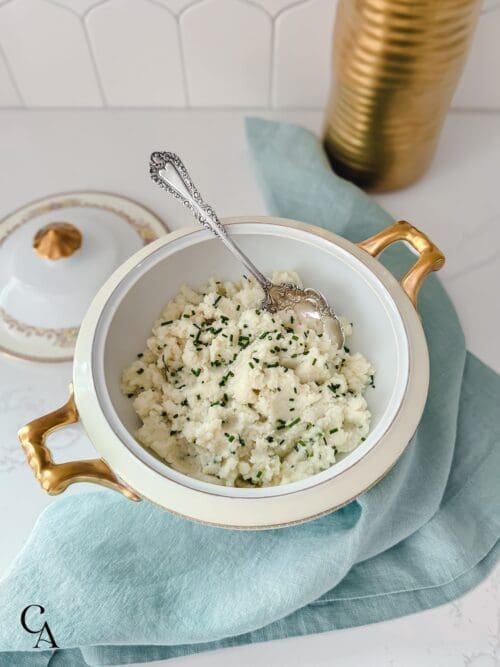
57,240
56,477
431,258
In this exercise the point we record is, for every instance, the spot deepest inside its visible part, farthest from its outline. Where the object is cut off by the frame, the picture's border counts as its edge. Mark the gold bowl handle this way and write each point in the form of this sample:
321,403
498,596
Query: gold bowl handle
56,477
431,258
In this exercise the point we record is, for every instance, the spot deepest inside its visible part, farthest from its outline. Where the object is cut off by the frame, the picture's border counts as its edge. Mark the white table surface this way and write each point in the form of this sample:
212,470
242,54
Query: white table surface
456,203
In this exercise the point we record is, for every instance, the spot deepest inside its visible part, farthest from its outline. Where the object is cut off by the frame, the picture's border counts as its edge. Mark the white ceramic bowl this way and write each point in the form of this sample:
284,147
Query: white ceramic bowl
387,330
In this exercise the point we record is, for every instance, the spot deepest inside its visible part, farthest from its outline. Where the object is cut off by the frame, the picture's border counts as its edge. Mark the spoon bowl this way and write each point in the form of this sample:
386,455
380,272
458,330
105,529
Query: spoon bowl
310,306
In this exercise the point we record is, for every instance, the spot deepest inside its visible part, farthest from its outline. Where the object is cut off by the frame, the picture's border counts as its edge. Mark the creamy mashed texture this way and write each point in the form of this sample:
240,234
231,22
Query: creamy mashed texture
234,395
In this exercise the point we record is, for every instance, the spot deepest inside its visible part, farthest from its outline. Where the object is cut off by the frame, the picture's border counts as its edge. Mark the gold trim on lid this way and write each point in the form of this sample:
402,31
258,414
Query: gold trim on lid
57,240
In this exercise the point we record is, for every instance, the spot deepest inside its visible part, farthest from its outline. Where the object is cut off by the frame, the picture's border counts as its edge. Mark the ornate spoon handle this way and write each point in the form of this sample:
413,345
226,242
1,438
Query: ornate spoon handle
168,171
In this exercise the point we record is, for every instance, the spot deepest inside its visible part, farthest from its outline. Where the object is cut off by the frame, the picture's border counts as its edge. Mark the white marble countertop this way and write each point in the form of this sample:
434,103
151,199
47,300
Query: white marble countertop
456,203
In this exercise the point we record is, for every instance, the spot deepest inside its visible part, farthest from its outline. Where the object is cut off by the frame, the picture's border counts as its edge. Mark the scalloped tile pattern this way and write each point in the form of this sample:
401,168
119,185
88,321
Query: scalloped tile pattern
274,7
227,51
193,53
79,7
302,48
176,6
47,49
137,53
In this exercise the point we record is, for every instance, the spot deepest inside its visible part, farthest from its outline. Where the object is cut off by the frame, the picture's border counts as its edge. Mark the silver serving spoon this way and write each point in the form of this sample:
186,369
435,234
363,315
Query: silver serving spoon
310,306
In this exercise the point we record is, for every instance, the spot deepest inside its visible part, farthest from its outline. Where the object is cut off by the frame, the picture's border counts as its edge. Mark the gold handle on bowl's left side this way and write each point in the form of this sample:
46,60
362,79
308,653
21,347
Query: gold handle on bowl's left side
56,477
431,258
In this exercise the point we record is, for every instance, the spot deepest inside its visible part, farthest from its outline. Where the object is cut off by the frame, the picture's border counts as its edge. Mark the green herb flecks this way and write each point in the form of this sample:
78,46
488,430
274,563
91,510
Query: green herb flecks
225,378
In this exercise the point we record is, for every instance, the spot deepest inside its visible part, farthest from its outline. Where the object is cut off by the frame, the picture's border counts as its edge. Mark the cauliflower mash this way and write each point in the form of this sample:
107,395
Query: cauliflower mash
231,394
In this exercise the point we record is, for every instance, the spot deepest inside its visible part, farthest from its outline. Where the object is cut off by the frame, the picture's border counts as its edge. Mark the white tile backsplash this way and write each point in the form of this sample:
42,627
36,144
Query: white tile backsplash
275,7
480,84
46,47
79,7
227,51
137,53
9,96
303,35
192,53
176,6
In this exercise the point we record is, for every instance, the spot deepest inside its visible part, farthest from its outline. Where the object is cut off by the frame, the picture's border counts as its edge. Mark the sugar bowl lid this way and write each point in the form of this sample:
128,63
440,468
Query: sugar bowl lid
55,254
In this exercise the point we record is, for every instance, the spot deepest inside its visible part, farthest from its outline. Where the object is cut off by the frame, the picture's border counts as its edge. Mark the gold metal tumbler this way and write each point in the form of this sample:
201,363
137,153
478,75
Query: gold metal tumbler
396,64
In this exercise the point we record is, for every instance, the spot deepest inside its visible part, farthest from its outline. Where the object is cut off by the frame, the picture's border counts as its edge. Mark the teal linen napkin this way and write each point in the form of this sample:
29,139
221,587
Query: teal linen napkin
123,582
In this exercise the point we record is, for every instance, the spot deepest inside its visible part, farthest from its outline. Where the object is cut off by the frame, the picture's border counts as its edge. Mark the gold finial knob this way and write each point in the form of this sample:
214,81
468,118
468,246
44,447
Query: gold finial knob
57,240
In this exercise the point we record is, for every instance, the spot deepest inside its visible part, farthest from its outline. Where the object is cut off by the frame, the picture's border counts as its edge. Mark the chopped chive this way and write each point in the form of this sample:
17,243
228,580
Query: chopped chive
251,365
276,363
238,307
196,371
333,430
225,378
243,341
164,324
259,474
314,361
140,371
174,432
217,300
